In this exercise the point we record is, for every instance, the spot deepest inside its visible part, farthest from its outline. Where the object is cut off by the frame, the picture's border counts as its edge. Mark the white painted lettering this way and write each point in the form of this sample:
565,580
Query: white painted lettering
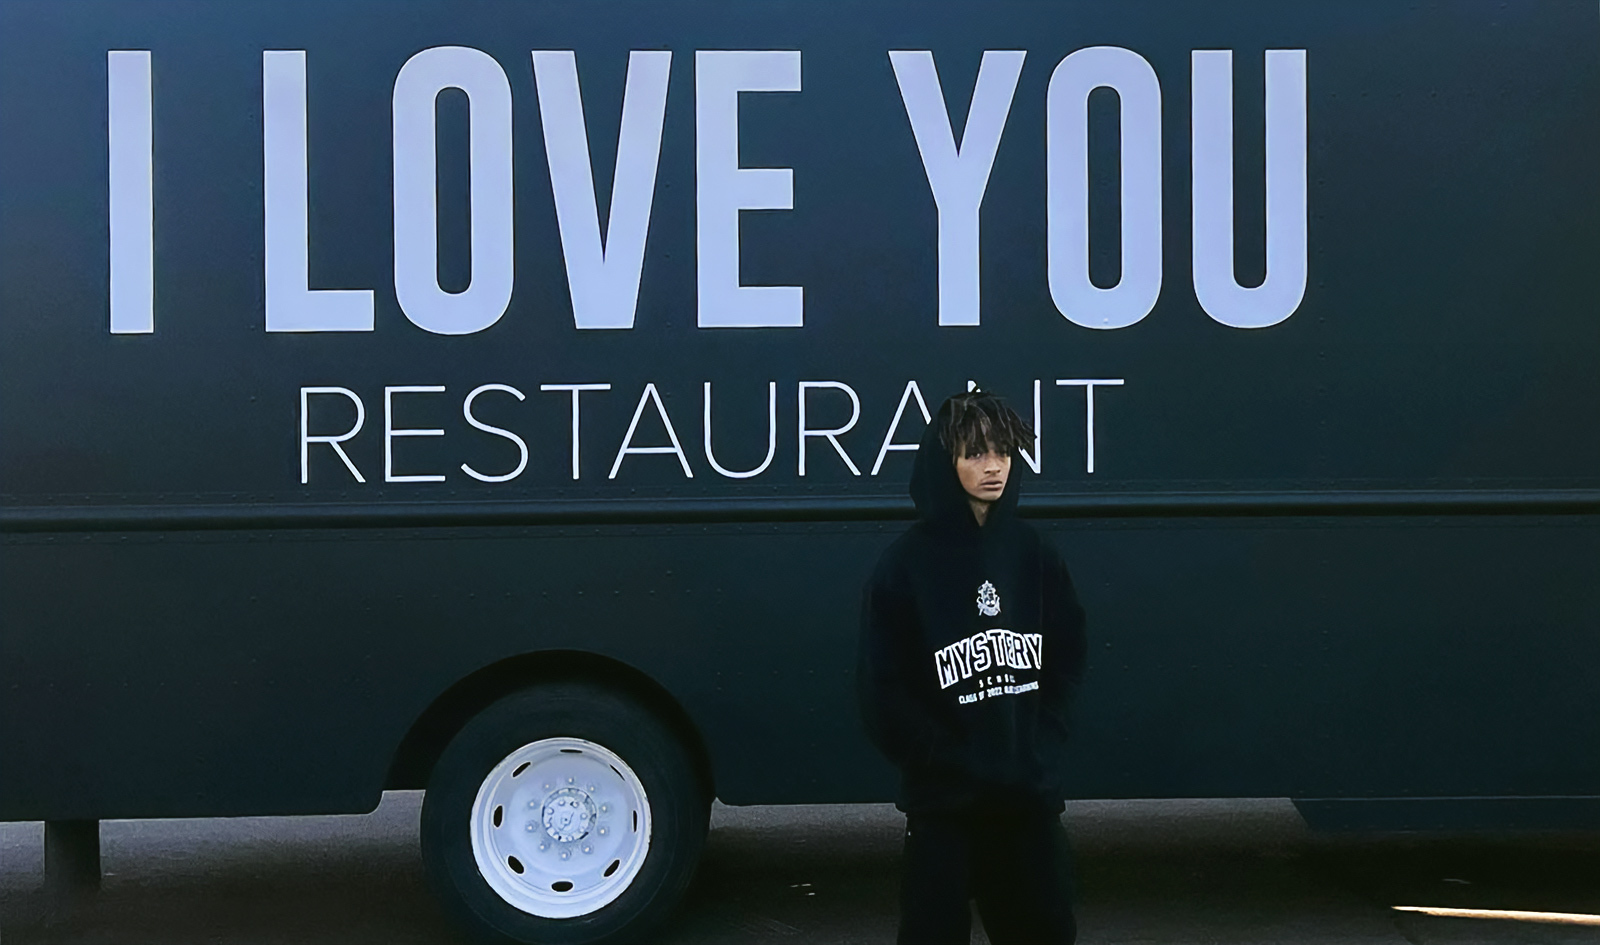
1089,384
291,304
576,389
832,436
1035,459
627,448
603,278
416,220
130,144
390,433
912,390
1139,93
723,188
772,435
522,447
1220,294
306,439
958,175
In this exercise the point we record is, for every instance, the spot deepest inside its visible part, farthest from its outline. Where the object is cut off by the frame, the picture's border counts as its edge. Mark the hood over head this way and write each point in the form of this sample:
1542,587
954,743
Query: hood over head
936,489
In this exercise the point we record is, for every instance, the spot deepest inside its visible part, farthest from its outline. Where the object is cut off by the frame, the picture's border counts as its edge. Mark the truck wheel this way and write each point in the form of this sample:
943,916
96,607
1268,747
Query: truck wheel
563,813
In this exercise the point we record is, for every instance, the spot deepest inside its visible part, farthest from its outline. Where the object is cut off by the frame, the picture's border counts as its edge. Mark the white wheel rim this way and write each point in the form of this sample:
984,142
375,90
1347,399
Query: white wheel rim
572,815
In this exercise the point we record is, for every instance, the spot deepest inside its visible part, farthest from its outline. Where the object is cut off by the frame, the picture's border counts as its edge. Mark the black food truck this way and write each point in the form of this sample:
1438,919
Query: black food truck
509,399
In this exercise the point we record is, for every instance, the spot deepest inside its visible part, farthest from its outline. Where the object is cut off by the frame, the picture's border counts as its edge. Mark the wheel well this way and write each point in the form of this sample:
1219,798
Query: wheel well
431,732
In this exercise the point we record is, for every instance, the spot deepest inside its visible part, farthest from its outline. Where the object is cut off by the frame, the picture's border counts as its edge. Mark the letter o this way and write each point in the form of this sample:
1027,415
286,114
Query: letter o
416,217
1067,161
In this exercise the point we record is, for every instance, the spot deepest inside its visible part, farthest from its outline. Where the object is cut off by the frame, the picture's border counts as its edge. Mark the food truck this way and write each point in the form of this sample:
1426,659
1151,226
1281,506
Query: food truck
510,399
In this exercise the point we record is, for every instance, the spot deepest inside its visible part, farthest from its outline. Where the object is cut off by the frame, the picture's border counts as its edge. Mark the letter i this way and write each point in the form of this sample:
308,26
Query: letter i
131,196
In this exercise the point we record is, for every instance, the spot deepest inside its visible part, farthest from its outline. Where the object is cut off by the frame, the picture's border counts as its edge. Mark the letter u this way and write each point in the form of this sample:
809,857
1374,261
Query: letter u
1212,139
772,435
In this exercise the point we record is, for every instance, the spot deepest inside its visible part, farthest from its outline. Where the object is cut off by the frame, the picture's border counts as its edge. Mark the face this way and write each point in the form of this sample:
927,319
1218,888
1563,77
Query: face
984,474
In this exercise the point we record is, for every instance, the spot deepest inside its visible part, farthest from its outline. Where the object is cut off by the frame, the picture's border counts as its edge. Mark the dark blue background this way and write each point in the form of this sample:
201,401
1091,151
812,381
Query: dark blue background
1446,340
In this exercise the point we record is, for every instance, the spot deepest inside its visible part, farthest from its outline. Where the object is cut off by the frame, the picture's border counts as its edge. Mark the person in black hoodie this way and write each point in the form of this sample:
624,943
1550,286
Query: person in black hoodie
972,644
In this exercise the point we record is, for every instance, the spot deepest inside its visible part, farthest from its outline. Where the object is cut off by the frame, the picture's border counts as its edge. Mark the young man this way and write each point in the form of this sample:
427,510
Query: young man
972,644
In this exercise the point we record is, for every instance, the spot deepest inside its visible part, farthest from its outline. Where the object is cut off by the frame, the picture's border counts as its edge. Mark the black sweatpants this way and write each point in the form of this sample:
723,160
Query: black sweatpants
1017,867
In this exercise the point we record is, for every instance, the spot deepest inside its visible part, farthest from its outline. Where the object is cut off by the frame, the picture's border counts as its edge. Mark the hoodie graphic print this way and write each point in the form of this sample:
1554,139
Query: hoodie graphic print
972,645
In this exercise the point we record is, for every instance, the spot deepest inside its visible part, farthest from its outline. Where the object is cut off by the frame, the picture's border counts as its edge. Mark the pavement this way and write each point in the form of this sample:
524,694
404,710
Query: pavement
1240,872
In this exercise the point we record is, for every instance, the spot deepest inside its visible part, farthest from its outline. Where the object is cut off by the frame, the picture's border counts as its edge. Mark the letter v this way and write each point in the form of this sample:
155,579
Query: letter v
603,279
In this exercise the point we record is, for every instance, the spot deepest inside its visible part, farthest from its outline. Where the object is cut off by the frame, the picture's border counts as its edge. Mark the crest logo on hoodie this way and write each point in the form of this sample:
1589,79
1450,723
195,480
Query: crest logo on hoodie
988,600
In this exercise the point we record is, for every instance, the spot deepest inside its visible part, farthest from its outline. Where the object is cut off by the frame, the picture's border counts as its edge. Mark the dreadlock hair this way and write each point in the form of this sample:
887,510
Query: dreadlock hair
977,420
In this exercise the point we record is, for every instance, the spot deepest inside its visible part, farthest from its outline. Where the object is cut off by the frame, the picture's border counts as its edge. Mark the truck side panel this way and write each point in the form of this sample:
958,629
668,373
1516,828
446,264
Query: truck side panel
215,673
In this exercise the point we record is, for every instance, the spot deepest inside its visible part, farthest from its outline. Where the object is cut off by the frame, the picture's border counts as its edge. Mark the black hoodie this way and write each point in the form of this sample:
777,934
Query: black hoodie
972,645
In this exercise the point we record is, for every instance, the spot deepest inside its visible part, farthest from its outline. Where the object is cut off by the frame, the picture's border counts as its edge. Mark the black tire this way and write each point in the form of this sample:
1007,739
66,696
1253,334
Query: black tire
679,806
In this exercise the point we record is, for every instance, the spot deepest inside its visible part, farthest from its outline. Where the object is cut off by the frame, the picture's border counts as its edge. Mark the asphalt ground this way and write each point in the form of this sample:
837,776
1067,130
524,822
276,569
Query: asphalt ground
1190,872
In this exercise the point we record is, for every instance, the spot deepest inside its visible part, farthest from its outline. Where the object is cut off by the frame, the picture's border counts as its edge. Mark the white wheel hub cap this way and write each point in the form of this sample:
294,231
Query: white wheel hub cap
560,827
